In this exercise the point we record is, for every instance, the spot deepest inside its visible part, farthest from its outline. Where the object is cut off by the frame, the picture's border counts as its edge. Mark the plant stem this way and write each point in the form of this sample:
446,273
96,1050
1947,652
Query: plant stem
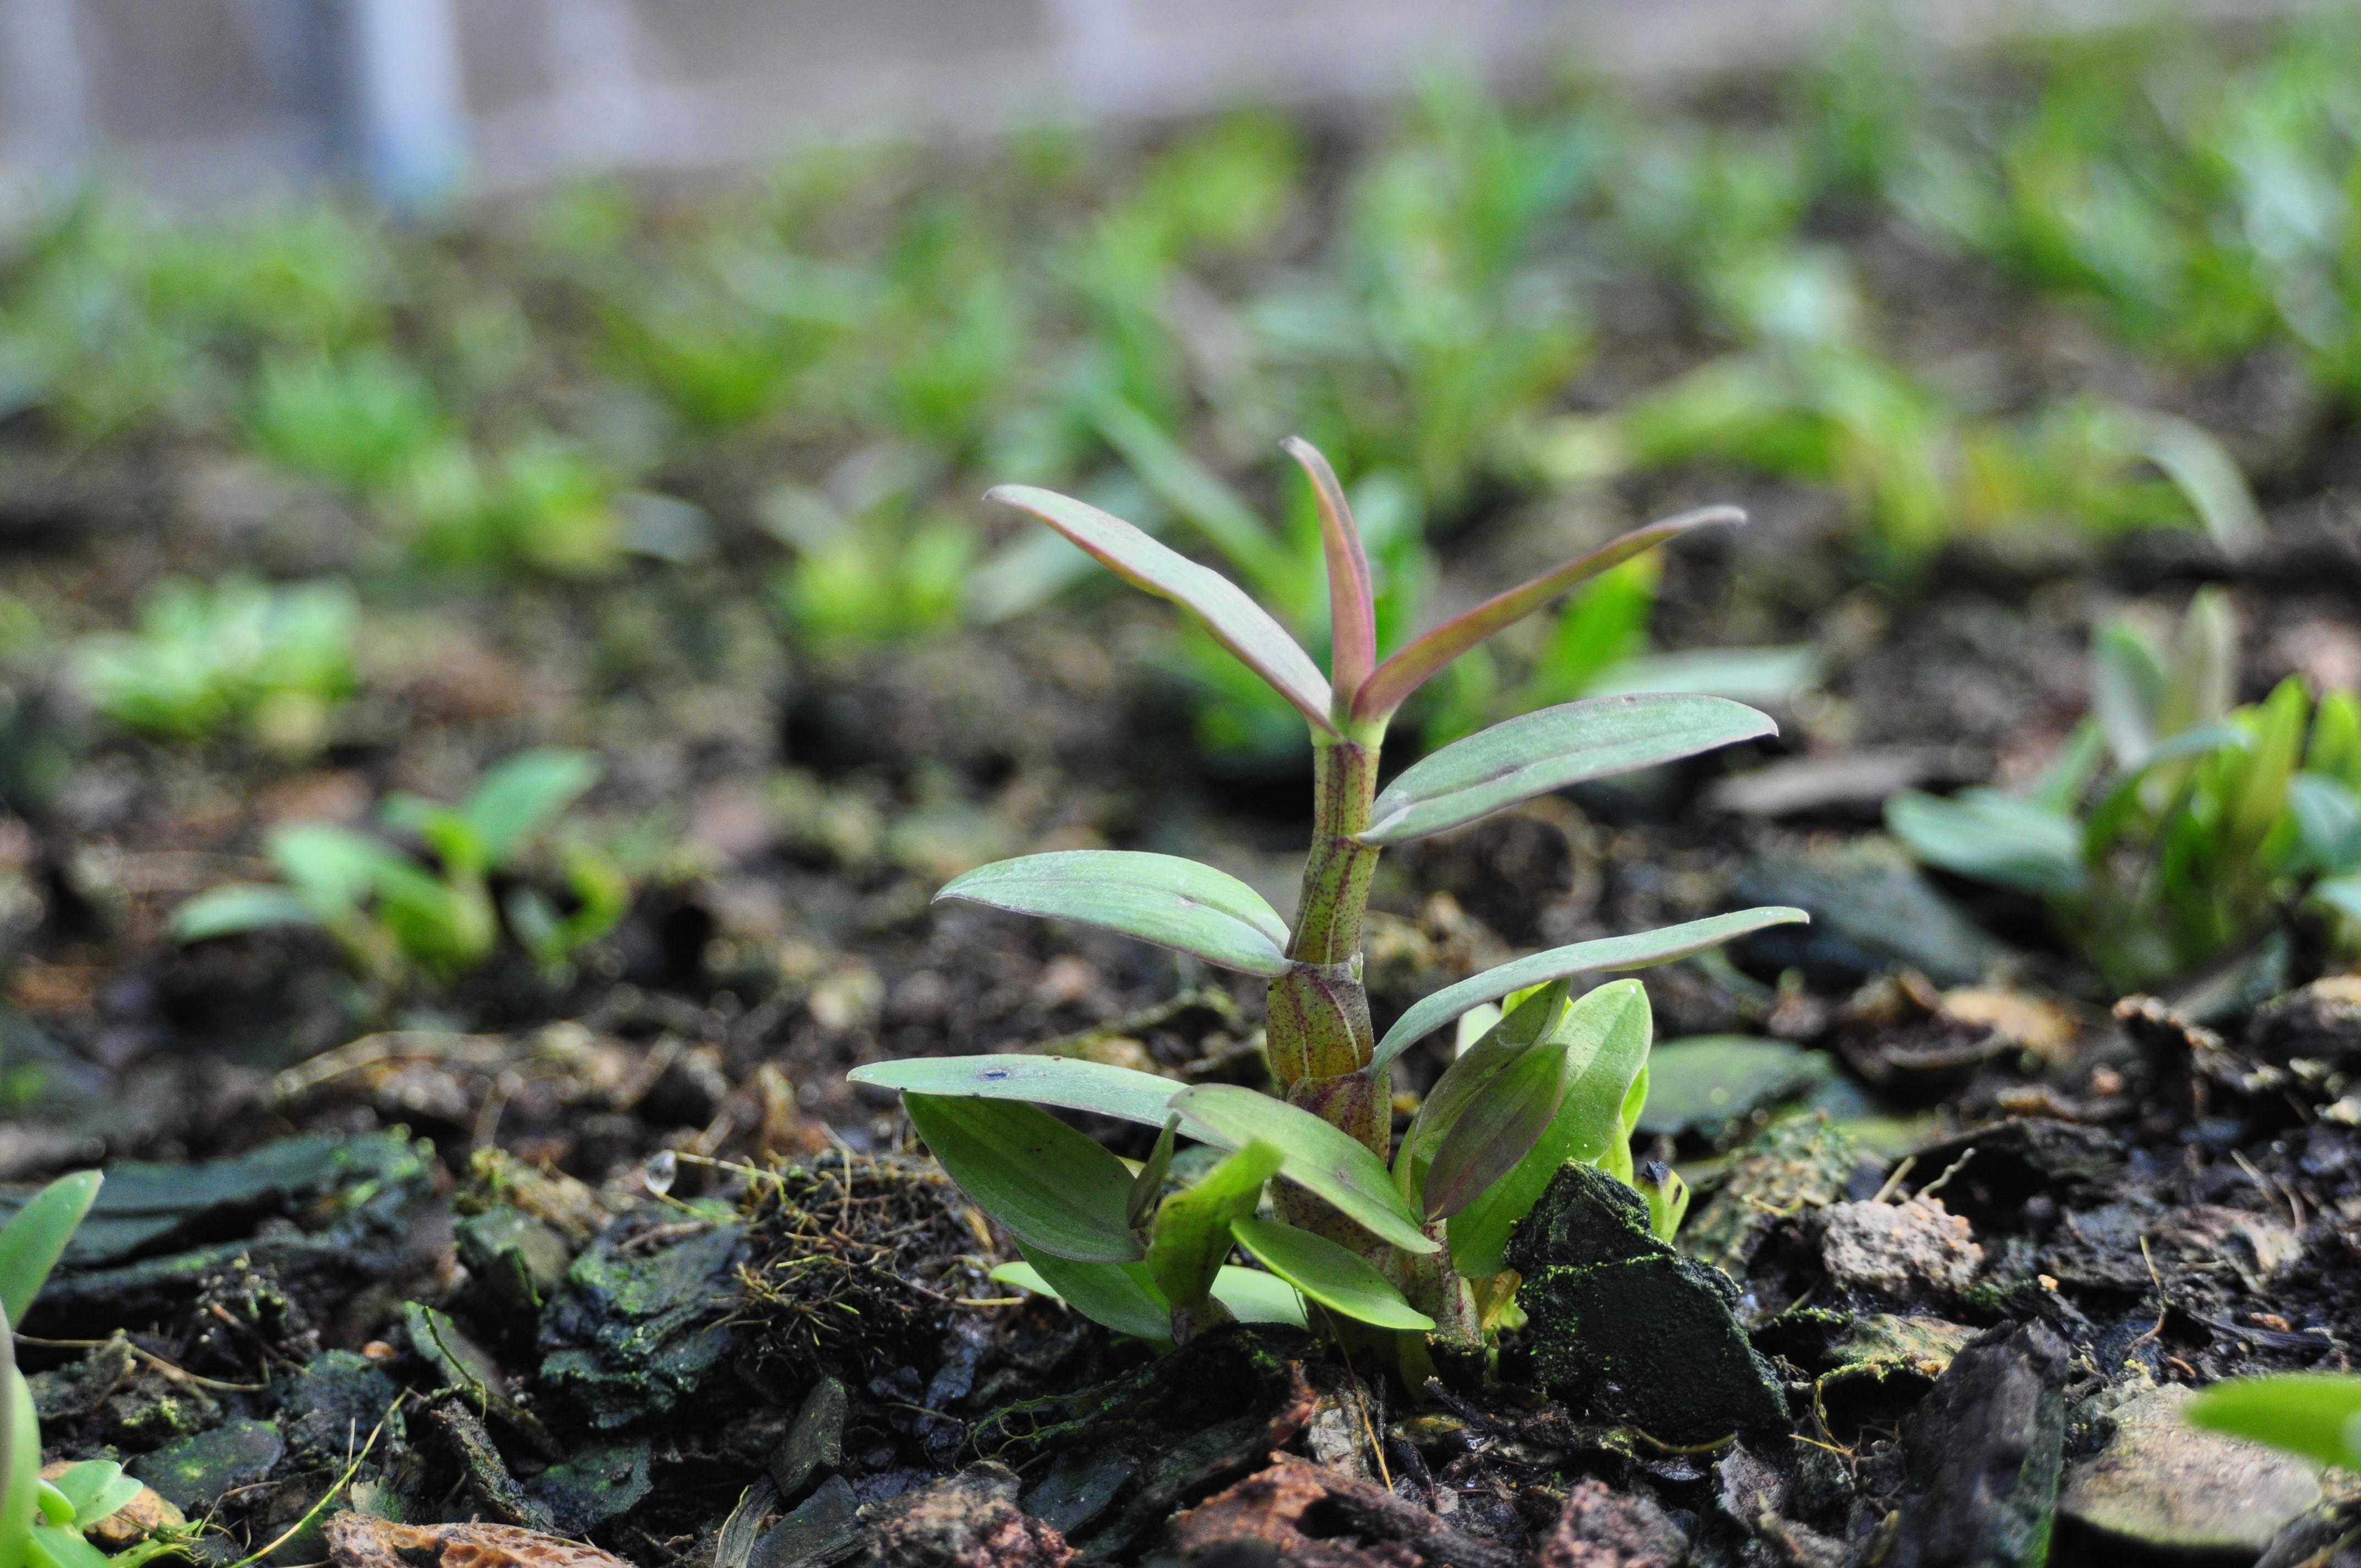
1318,1032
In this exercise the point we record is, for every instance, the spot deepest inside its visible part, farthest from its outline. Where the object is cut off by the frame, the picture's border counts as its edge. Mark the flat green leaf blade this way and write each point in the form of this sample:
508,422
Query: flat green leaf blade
1558,746
1638,950
1119,1295
239,907
1192,1225
1254,1297
1605,1039
1340,1280
2311,1413
1483,1058
1498,1128
1321,1160
1163,899
32,1244
1992,838
2328,821
1056,1190
1238,623
1100,1088
523,795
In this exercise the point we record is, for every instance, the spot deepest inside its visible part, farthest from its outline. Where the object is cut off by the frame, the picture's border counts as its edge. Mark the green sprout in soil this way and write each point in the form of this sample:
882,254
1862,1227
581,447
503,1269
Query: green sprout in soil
43,1522
2171,829
273,663
2315,1415
1401,1243
398,915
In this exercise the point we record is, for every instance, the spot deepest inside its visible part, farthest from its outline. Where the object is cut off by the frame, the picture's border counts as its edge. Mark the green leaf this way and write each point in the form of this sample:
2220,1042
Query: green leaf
96,1488
1238,623
1702,1083
1163,899
1254,1297
1604,1037
2341,893
1192,1226
1638,950
1148,1181
1340,1280
239,907
1497,1128
334,867
1529,1019
2207,476
1321,1160
32,1244
2315,1414
1099,1088
2127,690
1992,838
1057,1190
525,794
59,1546
1543,752
1392,683
20,1481
2327,821
1121,1296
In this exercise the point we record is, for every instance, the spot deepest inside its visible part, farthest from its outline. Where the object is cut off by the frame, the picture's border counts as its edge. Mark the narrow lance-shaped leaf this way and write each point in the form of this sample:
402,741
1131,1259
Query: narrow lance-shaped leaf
1239,624
1323,1160
1476,1065
1250,1294
1163,899
1352,605
1991,837
1390,685
1638,950
1339,1279
1538,752
1122,1296
1192,1227
1604,1037
1055,1189
1100,1088
2311,1413
1147,1182
1498,1128
33,1241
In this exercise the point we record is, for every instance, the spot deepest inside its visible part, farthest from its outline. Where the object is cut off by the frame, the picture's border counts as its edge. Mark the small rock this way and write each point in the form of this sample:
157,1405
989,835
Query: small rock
967,1520
1619,1319
197,1472
1895,1249
2170,1489
1982,1455
1599,1527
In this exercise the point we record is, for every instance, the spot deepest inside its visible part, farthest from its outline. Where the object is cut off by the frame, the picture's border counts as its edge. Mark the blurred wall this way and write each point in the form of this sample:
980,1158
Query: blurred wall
206,101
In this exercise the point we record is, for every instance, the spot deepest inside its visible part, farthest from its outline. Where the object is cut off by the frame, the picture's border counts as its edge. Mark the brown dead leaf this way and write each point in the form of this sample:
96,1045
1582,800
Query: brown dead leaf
364,1540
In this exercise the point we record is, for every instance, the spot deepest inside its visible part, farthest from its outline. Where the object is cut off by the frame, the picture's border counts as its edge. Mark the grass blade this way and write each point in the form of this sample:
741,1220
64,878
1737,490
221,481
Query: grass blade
31,1243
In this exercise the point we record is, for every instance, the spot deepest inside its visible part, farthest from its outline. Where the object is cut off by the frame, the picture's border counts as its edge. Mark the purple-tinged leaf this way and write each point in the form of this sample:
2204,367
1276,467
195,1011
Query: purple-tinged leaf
1540,752
1239,624
1638,950
1394,680
1352,606
1495,1129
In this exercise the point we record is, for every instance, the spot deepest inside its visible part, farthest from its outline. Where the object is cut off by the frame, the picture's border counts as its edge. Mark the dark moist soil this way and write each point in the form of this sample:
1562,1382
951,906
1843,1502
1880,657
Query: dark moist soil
618,1254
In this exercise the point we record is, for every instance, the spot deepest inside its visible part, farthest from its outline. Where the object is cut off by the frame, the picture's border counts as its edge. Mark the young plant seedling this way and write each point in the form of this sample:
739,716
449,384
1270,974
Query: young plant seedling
2315,1414
2210,825
1393,1243
394,915
42,1522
